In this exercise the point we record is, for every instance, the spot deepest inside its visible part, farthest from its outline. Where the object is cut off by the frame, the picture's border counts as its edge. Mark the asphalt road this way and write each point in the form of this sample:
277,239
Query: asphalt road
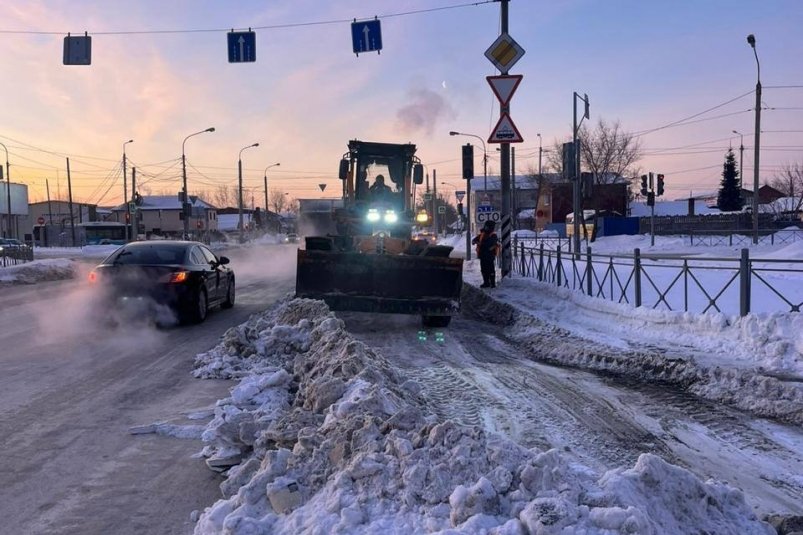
70,390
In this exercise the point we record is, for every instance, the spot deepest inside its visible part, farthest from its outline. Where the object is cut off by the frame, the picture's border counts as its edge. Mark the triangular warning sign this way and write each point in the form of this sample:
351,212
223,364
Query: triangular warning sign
504,86
322,186
505,131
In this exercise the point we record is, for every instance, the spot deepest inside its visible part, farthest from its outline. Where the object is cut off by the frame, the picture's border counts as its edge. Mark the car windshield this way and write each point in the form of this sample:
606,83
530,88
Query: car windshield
151,254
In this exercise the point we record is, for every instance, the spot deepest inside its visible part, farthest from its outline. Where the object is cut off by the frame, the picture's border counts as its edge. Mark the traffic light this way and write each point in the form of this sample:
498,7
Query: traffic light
650,199
660,189
644,189
468,161
460,209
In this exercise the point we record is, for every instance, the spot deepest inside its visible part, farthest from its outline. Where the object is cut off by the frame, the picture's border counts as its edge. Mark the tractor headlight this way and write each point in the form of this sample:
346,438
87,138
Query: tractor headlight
373,215
391,217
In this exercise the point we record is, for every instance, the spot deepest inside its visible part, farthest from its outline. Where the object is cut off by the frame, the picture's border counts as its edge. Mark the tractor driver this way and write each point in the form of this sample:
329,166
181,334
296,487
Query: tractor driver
379,190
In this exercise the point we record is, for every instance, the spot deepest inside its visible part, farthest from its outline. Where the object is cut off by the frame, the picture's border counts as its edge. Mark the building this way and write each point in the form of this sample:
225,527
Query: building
162,215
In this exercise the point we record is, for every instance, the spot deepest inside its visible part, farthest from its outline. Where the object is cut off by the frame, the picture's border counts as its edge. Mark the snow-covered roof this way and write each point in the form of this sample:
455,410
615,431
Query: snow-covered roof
640,209
784,204
167,202
495,181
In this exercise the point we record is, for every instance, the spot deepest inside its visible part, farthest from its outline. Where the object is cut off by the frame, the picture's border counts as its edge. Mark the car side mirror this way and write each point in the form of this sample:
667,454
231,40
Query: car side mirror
418,173
223,260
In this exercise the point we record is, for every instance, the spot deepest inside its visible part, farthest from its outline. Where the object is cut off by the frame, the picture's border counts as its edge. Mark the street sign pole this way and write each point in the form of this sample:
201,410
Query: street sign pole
507,259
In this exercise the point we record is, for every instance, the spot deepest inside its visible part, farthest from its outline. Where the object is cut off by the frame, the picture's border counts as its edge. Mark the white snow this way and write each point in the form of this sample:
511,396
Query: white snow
324,435
38,271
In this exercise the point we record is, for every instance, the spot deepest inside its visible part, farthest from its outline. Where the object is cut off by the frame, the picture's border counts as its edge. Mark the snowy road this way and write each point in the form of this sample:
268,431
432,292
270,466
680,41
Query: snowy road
476,375
69,393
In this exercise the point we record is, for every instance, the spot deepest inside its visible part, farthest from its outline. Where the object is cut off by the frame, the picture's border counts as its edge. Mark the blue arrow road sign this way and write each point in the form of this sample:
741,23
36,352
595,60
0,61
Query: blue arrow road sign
242,47
366,36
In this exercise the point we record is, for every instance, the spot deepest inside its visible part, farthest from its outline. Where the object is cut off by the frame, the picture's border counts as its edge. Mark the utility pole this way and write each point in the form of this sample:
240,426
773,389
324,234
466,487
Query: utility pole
8,194
751,40
133,220
69,193
514,202
240,188
435,200
576,194
507,257
43,236
186,207
125,192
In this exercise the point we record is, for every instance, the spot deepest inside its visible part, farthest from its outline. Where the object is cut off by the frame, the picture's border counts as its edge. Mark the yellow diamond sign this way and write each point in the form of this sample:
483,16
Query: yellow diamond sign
504,53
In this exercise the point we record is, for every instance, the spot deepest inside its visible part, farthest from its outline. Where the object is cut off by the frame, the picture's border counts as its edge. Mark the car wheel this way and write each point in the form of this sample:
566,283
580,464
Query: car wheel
229,301
196,311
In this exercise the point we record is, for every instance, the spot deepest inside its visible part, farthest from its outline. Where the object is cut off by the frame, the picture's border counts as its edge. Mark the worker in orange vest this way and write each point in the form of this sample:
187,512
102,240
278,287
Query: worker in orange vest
488,247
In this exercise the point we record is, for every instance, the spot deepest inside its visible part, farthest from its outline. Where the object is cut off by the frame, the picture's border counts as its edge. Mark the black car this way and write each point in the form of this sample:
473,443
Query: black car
183,276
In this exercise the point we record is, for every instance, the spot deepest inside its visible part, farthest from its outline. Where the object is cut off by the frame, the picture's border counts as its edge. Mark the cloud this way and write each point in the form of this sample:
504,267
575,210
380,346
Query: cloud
425,109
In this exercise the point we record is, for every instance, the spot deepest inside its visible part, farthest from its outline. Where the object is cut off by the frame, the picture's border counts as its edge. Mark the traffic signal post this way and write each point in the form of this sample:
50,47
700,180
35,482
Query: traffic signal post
652,185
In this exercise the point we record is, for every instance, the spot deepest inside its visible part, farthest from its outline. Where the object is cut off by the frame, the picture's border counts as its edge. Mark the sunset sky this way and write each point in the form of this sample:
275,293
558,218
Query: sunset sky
646,64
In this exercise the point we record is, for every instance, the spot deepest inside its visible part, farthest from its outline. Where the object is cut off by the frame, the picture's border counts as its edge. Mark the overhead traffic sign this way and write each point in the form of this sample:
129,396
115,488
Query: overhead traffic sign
366,36
504,53
78,50
504,86
505,131
242,47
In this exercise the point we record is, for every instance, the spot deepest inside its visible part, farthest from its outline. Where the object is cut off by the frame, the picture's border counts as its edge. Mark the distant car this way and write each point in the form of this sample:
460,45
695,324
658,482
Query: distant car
11,244
183,276
430,237
291,238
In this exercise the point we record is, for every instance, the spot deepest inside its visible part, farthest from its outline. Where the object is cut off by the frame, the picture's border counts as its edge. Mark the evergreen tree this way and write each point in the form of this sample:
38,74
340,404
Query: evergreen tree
730,195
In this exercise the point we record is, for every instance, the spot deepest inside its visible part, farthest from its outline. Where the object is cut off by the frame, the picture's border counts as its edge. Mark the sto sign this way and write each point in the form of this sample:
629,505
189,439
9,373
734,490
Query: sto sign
482,217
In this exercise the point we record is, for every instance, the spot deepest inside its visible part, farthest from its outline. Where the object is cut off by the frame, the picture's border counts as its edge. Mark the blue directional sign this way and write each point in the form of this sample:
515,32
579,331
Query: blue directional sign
366,36
242,47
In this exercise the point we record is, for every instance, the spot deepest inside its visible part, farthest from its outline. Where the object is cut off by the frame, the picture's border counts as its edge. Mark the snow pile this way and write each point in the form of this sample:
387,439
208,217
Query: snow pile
331,438
39,270
87,251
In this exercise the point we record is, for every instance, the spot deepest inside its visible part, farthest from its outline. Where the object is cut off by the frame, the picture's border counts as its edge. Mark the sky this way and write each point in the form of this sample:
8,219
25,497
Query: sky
645,64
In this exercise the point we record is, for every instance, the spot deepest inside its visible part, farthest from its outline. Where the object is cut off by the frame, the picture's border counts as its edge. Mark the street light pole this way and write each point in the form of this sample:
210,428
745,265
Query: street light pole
240,188
751,40
576,172
125,194
8,193
741,157
266,186
184,197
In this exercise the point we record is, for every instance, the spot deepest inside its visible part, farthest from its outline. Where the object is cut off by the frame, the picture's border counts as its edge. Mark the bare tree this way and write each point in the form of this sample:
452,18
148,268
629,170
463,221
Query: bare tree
279,201
789,182
606,150
224,196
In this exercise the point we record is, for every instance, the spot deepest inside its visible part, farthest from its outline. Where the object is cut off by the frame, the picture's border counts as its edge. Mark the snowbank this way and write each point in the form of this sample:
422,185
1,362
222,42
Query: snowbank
38,271
324,435
731,360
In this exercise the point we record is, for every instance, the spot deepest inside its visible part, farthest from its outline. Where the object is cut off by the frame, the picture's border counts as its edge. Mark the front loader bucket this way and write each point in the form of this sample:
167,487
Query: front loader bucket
402,284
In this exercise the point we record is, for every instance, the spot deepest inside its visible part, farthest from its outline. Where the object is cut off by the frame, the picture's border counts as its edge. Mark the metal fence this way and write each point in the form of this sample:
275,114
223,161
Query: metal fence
13,256
765,237
671,282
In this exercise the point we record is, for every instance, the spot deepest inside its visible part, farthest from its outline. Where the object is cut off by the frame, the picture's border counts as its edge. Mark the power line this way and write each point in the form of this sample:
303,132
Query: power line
678,122
267,27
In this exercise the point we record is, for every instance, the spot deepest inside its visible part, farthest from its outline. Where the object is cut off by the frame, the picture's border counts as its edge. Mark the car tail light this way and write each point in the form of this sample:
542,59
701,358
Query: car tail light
178,277
93,277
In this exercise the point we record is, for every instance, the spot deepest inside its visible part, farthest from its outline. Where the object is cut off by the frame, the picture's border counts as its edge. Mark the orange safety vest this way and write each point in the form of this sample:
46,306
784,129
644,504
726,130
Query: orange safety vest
481,237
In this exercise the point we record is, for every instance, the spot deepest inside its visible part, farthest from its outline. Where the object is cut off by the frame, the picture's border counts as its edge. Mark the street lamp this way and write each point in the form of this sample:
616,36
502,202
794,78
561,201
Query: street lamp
751,40
240,187
125,195
184,196
8,193
741,156
266,185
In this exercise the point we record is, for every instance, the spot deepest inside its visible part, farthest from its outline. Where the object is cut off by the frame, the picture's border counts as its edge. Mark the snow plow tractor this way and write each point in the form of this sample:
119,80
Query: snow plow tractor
372,264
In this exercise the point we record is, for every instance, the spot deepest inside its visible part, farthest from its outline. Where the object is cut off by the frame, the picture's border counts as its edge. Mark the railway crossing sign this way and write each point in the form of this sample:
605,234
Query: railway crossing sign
505,131
366,36
242,47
